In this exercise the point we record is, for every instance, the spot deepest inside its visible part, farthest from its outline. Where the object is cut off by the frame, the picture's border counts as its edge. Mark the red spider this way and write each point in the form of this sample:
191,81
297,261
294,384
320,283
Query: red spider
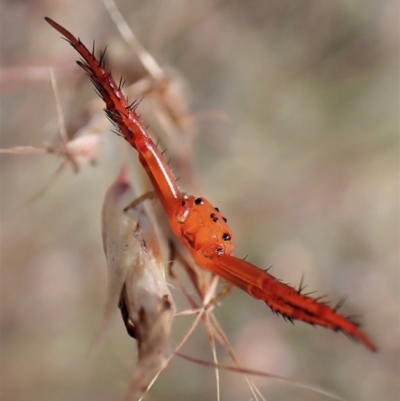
199,225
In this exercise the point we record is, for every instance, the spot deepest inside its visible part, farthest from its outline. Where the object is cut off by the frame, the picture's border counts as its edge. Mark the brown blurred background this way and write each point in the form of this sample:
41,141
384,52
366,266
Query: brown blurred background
305,169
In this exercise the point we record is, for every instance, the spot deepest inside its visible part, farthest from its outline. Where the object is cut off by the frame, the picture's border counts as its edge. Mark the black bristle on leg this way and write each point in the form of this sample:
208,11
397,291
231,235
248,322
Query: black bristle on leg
101,59
121,83
339,304
309,293
301,287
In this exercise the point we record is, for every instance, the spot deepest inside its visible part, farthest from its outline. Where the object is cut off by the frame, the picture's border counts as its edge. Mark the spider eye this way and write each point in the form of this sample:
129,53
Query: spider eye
226,237
198,201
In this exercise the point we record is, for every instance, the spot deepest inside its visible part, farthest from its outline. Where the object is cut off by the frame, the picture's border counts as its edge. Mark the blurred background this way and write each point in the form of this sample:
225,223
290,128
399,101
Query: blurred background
300,150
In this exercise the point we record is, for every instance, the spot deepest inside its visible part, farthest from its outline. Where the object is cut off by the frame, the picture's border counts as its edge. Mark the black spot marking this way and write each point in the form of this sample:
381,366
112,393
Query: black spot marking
183,203
198,201
226,237
212,215
165,302
216,209
225,220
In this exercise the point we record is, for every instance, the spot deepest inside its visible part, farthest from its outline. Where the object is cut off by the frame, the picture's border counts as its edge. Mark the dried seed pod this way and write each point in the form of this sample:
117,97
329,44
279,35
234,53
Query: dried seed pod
136,281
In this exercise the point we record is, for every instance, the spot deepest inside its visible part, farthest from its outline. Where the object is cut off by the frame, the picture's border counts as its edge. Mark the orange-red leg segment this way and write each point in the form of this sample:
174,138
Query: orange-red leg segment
284,299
